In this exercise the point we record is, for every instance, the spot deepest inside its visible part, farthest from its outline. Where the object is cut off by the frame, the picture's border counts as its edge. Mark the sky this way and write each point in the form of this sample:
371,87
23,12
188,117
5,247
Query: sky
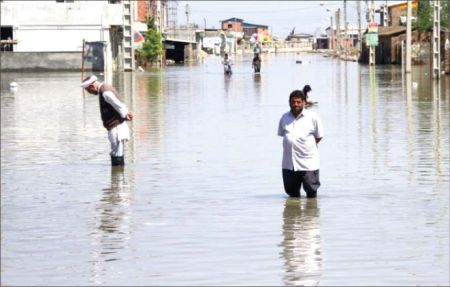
281,16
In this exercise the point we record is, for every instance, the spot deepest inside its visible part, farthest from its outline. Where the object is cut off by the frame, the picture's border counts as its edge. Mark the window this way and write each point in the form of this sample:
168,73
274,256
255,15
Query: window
230,26
6,33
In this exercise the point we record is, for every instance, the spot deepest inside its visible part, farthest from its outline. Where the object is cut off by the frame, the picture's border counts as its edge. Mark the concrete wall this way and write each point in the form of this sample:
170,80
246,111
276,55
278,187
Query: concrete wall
57,39
46,61
44,26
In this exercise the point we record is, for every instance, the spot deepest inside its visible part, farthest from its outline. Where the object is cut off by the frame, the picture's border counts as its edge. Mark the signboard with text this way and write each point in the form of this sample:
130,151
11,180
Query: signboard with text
372,35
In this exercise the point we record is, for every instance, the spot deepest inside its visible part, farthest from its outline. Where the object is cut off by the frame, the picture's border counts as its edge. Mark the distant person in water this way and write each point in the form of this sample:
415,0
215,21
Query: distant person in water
227,62
256,63
114,116
302,131
256,50
306,89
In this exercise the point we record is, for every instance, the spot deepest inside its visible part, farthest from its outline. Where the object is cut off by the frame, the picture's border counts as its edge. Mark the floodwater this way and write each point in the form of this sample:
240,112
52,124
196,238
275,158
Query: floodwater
201,200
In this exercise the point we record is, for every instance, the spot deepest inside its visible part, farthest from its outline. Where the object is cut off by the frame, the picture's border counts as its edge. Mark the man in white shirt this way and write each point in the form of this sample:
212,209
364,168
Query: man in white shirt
302,131
114,115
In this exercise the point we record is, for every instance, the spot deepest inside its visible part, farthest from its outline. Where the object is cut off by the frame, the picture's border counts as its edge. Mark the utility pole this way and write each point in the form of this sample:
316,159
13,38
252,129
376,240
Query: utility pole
436,40
372,20
338,32
187,15
408,36
332,36
345,28
385,14
235,38
358,8
447,44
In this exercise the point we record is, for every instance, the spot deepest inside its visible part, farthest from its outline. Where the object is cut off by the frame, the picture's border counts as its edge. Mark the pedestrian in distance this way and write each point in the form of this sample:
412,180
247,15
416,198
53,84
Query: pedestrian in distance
306,89
302,131
256,63
114,115
256,50
227,62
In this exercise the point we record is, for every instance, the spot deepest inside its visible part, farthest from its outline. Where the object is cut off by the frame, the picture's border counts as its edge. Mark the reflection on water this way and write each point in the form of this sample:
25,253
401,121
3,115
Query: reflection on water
407,85
200,199
112,231
301,242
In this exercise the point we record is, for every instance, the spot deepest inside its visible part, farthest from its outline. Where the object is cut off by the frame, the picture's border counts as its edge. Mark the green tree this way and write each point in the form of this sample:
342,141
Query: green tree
445,14
151,48
424,21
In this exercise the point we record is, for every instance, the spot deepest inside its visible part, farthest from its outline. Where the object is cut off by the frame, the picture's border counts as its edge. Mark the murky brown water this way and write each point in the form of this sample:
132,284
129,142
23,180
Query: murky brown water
201,201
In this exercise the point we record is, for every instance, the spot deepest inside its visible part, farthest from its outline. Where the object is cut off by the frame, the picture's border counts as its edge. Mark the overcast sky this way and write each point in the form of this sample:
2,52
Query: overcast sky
280,16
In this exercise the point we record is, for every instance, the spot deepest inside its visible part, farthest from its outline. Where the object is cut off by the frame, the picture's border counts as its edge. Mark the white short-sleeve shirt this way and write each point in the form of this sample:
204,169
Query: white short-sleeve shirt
299,134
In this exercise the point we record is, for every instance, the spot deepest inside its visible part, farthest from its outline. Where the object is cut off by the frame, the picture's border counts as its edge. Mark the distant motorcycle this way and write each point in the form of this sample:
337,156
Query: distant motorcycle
227,62
227,69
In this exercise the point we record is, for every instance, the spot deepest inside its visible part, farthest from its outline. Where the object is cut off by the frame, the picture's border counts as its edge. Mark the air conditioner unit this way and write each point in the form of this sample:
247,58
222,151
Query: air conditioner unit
403,19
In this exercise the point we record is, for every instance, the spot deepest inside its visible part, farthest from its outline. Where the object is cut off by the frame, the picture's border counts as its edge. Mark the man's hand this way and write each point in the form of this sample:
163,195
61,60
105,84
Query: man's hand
129,116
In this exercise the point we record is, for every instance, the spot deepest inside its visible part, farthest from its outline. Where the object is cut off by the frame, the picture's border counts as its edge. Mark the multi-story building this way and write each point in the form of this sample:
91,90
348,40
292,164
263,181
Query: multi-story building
349,40
397,13
156,9
244,29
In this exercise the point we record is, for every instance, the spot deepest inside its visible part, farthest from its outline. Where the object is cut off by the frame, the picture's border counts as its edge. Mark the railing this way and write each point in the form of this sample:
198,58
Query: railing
180,34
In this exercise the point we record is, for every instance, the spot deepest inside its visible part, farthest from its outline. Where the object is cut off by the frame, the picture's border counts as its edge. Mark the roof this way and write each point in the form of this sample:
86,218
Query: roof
301,35
247,25
391,30
232,20
342,27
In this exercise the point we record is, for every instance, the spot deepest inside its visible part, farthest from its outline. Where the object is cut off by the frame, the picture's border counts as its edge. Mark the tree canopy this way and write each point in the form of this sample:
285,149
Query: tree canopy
151,48
424,21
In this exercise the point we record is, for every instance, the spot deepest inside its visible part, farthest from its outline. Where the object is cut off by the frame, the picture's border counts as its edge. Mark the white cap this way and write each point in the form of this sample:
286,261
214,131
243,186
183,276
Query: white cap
88,81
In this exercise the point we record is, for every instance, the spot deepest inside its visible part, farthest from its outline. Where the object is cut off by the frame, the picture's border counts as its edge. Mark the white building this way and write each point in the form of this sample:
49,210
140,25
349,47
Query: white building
349,39
40,28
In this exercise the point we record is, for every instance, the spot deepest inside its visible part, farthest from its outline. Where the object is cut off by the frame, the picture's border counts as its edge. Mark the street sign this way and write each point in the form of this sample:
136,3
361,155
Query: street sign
372,34
373,27
372,39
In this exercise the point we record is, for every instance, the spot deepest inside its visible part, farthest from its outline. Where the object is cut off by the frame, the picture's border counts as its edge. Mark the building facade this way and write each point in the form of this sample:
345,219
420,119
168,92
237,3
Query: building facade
45,28
397,13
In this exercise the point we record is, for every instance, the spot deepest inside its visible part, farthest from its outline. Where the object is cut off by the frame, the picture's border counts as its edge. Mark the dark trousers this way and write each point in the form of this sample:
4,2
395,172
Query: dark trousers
293,181
257,67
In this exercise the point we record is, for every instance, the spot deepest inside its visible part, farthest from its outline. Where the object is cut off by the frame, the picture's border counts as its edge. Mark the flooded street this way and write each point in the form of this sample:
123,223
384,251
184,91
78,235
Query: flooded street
201,200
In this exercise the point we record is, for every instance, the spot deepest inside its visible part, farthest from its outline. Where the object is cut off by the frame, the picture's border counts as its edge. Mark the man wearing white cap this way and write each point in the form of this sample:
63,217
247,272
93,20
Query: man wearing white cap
114,116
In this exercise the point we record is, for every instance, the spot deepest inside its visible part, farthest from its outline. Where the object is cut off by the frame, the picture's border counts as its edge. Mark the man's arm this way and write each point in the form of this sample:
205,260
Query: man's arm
111,99
280,128
319,130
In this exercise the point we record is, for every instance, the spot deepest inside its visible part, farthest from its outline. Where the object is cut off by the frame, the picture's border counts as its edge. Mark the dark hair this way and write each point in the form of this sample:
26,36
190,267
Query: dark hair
297,94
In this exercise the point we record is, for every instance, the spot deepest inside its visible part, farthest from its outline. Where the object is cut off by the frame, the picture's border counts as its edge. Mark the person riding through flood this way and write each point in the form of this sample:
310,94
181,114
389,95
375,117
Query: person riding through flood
256,63
227,62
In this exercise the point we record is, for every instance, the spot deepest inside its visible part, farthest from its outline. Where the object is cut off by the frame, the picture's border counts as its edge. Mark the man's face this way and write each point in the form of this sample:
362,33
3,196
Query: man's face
297,105
91,90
